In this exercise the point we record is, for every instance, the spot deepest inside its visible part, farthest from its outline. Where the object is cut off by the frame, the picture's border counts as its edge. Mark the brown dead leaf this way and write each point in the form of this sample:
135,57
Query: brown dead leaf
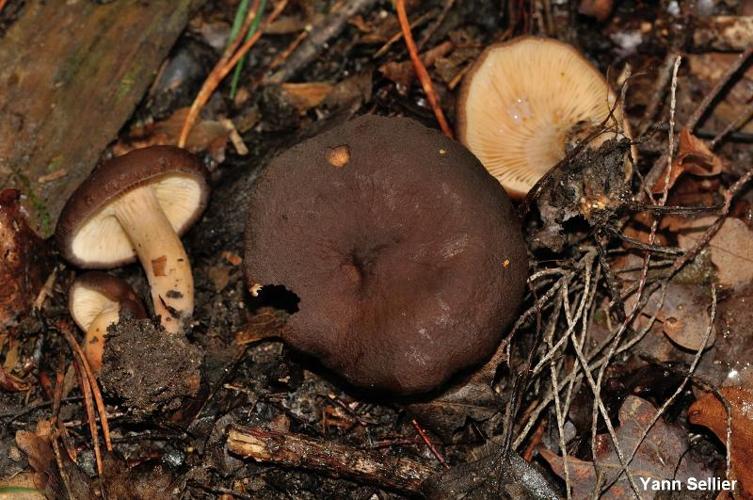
450,411
24,260
730,248
694,157
709,412
661,455
684,316
403,73
265,323
707,68
305,96
206,136
220,276
598,9
10,383
232,258
38,450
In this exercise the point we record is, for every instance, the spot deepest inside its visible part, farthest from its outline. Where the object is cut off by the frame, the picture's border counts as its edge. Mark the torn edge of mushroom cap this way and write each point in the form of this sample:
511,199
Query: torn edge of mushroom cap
95,291
88,234
545,91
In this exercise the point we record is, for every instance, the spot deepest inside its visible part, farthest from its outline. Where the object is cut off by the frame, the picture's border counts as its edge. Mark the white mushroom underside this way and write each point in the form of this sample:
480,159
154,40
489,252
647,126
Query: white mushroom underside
87,304
101,239
522,103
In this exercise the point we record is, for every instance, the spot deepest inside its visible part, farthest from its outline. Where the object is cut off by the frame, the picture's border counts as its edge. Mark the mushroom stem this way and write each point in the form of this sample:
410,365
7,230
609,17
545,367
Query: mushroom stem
94,343
161,254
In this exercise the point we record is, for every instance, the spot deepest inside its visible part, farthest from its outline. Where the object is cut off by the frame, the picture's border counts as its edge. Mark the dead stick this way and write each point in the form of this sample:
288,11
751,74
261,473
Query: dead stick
96,393
317,40
420,69
295,450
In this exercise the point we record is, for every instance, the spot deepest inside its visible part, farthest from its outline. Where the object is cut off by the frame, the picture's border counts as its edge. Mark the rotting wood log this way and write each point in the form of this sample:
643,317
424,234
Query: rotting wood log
71,74
295,450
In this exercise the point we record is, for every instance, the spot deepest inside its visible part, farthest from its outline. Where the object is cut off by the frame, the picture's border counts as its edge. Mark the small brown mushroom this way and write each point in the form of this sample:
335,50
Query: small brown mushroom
525,103
139,204
97,300
407,260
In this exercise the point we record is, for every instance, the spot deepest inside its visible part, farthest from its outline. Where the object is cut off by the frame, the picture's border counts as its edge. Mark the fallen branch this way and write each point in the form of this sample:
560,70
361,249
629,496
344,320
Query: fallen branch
317,39
292,450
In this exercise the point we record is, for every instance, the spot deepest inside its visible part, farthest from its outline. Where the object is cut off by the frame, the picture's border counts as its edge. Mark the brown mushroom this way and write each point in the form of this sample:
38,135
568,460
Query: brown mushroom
138,205
526,102
97,300
405,254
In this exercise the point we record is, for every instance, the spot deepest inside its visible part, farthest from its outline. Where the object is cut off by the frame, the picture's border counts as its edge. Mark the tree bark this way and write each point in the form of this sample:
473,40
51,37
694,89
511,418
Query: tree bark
71,74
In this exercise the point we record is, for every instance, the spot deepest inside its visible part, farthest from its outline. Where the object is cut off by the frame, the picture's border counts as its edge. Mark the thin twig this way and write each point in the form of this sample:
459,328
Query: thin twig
225,65
420,69
317,39
741,120
427,440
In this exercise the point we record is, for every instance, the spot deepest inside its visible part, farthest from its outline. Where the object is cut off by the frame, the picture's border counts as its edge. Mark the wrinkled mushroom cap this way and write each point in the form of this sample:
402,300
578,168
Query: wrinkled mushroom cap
524,102
89,235
406,255
95,291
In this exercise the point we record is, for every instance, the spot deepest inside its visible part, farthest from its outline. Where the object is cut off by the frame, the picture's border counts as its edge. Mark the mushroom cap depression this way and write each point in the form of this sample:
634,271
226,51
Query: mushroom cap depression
89,235
406,255
95,291
525,101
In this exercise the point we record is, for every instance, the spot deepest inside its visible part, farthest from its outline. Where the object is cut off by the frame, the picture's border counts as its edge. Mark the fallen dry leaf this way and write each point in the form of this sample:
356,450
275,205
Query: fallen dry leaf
730,248
709,412
403,73
684,316
694,157
708,68
207,135
38,450
661,455
598,9
450,411
220,276
24,261
305,96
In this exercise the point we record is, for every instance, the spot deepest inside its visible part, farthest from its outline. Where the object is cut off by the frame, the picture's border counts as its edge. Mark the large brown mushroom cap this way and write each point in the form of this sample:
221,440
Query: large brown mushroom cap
88,233
406,255
526,101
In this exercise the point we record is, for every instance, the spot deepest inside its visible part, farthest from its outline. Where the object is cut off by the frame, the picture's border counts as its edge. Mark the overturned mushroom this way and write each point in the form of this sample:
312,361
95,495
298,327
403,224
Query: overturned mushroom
97,300
526,103
139,204
405,255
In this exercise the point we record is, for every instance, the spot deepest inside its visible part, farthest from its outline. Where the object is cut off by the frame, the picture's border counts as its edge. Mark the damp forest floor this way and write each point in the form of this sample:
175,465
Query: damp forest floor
621,310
